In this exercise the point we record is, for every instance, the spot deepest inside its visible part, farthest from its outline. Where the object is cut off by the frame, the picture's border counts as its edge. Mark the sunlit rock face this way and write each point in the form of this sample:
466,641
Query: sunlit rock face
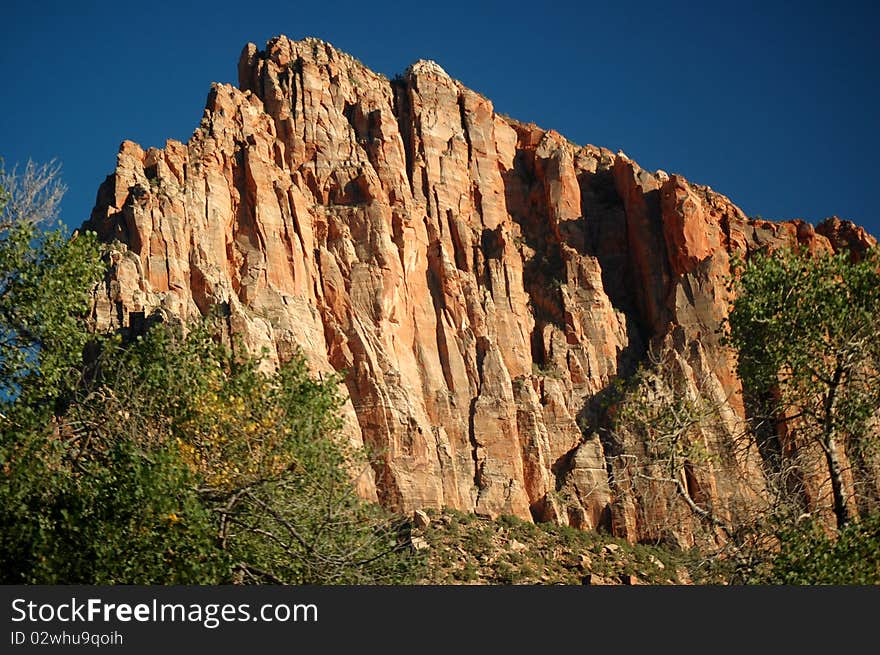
479,282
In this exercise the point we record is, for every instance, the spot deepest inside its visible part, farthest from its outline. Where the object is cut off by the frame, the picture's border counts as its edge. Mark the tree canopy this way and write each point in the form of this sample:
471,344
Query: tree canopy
807,332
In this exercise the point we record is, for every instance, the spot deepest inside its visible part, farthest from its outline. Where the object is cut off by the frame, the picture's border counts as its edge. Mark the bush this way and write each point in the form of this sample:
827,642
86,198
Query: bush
808,555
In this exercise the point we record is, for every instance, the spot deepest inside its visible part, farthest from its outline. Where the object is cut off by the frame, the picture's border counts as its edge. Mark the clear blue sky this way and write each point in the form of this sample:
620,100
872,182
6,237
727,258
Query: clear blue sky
773,104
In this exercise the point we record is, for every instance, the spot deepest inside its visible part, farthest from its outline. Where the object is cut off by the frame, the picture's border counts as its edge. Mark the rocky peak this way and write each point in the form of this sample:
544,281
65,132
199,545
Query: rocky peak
481,282
426,67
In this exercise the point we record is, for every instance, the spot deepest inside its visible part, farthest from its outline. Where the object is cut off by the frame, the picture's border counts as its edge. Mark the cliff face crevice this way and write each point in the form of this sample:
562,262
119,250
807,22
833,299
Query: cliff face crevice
481,282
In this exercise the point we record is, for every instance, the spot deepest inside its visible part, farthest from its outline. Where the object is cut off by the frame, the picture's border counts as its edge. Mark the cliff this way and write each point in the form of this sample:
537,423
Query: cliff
480,282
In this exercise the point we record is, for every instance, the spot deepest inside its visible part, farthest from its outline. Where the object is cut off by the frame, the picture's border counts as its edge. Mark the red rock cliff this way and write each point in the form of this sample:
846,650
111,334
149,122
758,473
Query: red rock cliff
481,282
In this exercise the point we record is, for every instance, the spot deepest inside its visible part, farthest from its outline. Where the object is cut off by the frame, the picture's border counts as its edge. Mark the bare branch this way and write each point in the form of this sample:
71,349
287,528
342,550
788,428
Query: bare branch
34,194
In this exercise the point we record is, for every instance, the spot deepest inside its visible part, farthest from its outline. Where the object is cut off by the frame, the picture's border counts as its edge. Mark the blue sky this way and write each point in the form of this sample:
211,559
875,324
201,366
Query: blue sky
772,104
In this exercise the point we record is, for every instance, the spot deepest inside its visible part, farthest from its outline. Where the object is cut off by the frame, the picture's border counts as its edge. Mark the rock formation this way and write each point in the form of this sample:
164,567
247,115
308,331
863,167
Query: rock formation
480,282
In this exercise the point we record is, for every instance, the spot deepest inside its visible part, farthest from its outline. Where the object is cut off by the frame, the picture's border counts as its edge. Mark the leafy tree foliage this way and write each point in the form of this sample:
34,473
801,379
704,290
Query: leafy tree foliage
261,452
807,554
807,332
45,280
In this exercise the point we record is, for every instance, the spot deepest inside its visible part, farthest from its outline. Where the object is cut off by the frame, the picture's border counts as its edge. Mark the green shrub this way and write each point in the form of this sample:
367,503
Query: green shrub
808,555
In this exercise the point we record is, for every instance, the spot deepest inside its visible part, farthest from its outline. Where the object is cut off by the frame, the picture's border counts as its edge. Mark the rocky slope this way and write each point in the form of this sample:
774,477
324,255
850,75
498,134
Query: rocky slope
480,282
460,548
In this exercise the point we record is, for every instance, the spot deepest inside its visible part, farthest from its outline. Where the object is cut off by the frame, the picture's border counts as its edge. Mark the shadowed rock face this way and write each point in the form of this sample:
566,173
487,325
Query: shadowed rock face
480,281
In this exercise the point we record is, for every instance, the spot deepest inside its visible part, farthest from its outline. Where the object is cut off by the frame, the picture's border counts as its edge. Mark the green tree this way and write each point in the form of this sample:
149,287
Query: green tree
806,554
262,450
45,280
179,461
807,332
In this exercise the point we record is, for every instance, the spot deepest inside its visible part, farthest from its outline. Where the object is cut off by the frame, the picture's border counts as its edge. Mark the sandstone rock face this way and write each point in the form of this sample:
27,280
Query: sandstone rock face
480,282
